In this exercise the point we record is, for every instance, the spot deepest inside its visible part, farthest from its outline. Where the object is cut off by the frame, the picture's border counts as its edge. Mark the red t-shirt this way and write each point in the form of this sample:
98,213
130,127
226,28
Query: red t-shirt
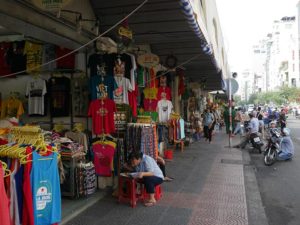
27,214
4,206
167,90
103,157
102,113
132,96
4,66
67,62
150,105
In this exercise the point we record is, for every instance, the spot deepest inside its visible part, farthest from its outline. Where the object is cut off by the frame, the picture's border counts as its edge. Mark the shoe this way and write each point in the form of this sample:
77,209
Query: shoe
236,146
168,179
150,204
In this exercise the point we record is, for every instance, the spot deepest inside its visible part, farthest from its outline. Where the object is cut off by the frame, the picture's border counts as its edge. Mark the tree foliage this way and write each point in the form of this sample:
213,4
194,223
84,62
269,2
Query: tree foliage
283,96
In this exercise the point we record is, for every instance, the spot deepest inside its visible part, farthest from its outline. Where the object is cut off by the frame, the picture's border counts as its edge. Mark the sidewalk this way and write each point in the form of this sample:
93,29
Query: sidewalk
209,189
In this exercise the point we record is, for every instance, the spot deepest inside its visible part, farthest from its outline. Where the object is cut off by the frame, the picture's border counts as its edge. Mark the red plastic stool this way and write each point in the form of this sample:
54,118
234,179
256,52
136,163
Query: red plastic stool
128,190
157,194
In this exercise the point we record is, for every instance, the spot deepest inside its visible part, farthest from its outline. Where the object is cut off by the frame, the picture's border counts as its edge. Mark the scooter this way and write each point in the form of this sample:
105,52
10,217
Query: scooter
254,140
272,149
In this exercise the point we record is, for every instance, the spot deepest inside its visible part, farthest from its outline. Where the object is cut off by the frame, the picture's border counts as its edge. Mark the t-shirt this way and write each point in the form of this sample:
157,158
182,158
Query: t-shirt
35,90
166,90
148,164
150,105
121,93
103,159
164,108
150,93
96,60
122,116
48,56
60,96
102,84
67,62
34,56
110,60
16,59
4,206
182,134
133,100
102,113
4,66
11,108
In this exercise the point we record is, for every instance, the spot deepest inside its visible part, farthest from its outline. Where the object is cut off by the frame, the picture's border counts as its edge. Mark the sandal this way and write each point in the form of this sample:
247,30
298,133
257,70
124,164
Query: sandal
149,204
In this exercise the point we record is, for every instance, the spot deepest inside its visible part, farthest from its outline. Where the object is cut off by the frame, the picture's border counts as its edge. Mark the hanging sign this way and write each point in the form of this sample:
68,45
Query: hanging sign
125,32
50,5
148,60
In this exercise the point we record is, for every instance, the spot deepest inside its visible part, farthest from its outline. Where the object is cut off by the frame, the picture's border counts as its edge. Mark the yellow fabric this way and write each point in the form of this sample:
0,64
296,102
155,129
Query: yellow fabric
110,143
150,93
34,56
11,108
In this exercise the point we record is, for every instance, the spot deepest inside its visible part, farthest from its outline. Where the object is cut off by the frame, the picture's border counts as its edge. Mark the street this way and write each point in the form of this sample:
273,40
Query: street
279,183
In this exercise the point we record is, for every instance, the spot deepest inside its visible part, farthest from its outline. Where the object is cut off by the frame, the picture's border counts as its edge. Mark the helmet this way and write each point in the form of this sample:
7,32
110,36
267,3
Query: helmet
286,131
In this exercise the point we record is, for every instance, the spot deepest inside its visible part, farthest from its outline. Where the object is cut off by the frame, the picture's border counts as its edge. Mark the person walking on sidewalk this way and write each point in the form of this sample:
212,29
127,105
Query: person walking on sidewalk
208,122
238,119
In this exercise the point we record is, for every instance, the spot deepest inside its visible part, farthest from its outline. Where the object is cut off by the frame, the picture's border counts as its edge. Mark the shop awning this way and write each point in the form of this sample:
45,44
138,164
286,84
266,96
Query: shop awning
169,28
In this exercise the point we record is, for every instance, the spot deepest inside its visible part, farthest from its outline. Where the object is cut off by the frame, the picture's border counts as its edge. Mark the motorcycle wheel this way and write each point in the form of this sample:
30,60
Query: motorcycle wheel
270,157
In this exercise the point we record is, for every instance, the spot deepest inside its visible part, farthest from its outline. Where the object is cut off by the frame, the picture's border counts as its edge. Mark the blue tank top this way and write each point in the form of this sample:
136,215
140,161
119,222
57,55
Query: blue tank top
45,189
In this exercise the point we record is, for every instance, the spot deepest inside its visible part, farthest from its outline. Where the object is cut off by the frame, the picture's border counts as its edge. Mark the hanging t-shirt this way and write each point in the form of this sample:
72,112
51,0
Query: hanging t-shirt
49,56
102,113
102,84
122,116
166,90
164,108
34,56
4,66
103,159
182,134
97,60
121,93
16,59
133,98
45,189
111,59
150,105
59,89
27,213
150,93
67,62
141,77
35,91
4,204
11,107
80,96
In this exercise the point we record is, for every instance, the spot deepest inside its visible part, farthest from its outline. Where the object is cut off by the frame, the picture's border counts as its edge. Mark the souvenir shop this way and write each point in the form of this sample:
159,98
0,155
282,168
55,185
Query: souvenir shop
71,116
66,133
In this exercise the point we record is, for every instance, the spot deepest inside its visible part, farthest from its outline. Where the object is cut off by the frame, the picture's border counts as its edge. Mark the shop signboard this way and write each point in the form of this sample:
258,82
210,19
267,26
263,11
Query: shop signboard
125,32
50,5
148,60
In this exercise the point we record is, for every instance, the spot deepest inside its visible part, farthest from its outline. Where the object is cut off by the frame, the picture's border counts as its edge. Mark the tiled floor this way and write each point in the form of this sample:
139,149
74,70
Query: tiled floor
208,189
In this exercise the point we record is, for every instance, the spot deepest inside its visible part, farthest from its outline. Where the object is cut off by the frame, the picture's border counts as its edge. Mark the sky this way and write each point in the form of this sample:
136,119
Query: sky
245,22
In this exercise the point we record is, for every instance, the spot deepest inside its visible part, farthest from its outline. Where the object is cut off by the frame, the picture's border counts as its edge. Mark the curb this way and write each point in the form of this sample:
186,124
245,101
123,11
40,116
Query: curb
255,208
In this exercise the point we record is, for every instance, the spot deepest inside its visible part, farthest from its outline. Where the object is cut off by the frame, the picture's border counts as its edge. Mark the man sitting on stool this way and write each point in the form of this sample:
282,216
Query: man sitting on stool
149,172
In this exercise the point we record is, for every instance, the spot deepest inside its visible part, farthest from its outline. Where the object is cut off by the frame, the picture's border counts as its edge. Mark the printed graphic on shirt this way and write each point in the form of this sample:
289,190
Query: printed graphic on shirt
43,198
102,91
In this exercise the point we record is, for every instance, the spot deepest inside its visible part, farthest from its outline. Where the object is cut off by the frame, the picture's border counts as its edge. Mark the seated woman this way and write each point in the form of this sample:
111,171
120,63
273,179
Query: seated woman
149,171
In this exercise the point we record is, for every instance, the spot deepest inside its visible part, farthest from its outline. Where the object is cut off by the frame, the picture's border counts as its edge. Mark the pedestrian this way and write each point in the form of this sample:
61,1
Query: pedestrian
208,120
282,119
227,119
260,117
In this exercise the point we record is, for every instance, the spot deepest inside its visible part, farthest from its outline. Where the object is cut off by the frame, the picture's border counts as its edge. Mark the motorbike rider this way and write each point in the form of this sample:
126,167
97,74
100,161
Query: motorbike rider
253,128
286,146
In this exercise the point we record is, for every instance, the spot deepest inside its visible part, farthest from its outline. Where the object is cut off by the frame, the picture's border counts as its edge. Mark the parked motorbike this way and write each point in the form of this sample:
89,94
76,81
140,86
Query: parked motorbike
254,140
272,149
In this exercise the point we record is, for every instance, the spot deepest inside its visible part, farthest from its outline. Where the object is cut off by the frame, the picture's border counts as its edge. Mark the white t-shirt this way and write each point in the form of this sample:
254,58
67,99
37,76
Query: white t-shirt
35,91
164,109
121,93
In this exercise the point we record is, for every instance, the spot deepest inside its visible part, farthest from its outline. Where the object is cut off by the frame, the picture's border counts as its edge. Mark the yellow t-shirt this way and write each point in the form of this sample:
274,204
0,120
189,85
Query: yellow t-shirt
150,93
34,56
11,108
